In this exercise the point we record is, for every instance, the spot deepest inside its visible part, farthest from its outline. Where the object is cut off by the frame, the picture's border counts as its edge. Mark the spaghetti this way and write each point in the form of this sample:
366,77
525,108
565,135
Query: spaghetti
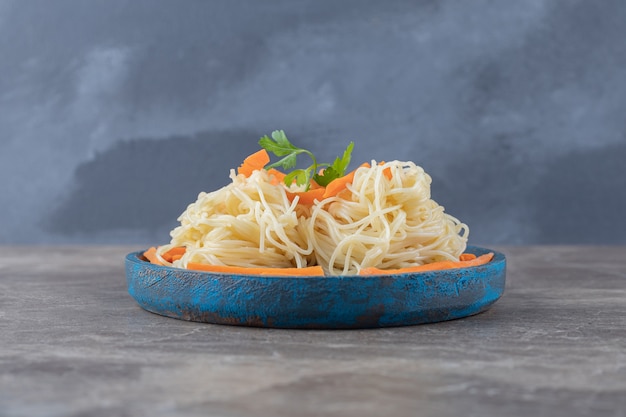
385,218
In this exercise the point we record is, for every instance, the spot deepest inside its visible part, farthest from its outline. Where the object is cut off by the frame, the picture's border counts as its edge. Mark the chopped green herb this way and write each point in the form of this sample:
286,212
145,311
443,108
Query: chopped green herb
280,146
337,169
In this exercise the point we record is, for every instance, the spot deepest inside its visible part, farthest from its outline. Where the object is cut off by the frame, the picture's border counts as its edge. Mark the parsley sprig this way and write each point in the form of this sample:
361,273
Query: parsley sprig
280,146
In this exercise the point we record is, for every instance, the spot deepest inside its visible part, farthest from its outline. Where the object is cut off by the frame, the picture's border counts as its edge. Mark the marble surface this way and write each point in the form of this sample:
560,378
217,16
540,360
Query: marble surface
73,343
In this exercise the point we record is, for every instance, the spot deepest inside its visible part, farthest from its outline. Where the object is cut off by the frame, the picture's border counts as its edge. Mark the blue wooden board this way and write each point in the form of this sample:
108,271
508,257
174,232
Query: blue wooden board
338,302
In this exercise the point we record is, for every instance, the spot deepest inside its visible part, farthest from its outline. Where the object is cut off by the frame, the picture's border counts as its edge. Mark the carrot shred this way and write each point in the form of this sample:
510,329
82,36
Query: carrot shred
435,266
308,271
467,257
150,255
307,198
278,177
254,162
387,171
174,253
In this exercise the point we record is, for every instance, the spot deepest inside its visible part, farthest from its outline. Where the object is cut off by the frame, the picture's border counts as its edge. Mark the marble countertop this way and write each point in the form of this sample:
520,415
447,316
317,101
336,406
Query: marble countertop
74,343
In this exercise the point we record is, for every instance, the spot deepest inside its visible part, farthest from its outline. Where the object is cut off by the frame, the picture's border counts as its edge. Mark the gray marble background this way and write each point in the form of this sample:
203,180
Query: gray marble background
114,114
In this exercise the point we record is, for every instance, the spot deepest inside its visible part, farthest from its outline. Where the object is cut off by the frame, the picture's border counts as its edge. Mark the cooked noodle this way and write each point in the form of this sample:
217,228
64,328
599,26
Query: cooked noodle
377,221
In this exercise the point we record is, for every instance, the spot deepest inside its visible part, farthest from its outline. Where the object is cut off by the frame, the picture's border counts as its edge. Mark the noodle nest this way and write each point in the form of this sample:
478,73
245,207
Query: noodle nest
384,219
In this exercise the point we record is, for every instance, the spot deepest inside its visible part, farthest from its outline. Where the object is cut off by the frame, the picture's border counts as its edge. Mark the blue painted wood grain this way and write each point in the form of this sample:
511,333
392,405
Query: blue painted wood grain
338,302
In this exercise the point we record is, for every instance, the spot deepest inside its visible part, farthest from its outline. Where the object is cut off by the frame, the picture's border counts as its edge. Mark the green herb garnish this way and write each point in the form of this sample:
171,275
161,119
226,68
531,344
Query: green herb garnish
280,146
